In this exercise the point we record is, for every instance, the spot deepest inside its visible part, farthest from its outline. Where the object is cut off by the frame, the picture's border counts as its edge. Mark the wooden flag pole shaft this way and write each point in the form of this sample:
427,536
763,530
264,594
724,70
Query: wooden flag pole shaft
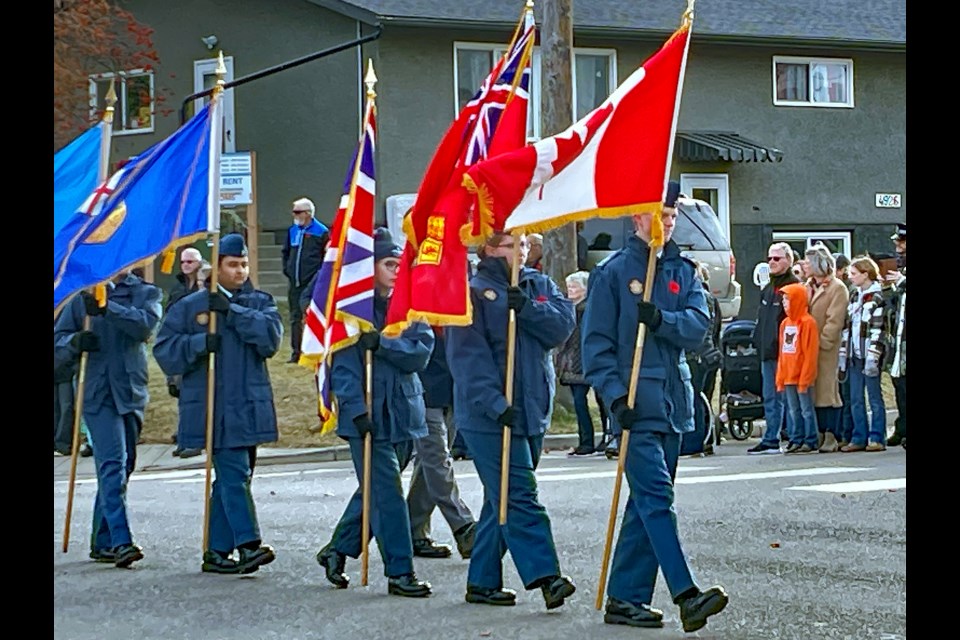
77,415
211,393
625,433
367,453
508,391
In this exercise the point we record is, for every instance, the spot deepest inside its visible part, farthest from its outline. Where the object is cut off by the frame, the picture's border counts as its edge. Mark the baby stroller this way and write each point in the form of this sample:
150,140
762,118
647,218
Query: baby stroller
741,385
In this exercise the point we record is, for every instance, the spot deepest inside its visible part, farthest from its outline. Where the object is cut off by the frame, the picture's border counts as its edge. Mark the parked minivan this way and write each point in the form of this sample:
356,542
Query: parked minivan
700,237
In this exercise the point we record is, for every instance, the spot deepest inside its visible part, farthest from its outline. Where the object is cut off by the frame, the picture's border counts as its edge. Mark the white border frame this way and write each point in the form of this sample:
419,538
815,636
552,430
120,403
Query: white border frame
121,106
535,77
845,236
808,61
208,66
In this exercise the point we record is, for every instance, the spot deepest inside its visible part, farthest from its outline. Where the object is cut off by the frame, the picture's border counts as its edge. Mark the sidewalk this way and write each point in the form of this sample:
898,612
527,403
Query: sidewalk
159,457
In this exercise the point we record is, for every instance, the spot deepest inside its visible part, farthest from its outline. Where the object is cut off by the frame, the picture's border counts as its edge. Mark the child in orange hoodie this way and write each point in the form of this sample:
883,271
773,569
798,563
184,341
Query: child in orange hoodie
797,368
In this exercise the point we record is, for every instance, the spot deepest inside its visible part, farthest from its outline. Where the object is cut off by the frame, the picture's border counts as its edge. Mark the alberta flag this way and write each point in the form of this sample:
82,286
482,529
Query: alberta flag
75,169
167,196
342,302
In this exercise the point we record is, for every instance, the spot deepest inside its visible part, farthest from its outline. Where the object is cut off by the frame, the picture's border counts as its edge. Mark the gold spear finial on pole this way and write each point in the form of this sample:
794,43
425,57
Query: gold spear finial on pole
370,79
688,14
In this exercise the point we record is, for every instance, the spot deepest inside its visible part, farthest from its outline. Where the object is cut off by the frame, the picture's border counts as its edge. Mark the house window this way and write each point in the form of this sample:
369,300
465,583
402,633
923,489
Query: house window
812,82
594,78
134,111
800,241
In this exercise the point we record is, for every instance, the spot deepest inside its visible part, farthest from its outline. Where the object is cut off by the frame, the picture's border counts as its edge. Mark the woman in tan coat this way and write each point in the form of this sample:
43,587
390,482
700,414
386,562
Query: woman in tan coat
828,306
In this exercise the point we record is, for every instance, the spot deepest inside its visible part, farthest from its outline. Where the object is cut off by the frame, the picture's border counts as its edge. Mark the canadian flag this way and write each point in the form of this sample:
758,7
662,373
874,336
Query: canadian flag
613,162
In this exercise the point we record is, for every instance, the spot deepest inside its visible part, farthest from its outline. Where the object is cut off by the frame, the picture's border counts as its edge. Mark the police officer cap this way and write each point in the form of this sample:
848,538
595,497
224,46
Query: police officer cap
901,233
384,246
673,192
232,244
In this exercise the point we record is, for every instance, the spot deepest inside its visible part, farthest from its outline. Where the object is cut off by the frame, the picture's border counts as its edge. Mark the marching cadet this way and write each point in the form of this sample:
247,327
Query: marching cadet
477,357
398,418
249,330
115,396
676,319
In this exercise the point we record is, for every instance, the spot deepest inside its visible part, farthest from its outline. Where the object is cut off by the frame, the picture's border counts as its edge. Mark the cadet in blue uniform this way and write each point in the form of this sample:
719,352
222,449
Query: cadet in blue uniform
249,330
477,356
115,396
677,319
398,417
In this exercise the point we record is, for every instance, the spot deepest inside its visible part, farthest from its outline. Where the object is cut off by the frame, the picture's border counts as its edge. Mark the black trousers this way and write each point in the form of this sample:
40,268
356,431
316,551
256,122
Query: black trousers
296,317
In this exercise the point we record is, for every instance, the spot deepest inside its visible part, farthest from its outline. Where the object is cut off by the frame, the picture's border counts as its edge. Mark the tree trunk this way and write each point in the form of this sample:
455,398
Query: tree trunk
556,114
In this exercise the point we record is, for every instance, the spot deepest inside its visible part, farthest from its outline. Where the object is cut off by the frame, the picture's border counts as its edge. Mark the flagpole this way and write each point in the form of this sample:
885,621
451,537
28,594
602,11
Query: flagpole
212,330
655,243
107,124
370,79
508,391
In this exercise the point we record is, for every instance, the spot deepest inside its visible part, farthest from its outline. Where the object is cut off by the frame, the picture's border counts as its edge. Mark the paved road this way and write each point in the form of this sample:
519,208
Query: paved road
808,546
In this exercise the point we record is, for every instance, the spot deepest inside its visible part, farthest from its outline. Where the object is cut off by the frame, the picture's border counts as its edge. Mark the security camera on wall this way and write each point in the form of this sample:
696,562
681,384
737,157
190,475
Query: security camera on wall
211,41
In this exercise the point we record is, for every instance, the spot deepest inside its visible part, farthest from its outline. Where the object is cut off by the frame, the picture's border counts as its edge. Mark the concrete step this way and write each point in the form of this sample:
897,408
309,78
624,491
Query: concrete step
278,291
270,251
270,264
271,237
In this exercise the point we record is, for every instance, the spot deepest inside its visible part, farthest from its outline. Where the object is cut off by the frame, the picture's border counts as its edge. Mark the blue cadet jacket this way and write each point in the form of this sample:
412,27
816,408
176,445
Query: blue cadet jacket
609,334
437,382
119,368
244,414
398,410
477,354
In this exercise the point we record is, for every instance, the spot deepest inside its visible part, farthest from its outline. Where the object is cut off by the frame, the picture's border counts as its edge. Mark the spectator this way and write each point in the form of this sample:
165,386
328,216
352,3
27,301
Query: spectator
797,368
861,354
846,420
581,248
704,362
535,252
828,306
302,256
897,325
570,369
63,404
601,242
766,336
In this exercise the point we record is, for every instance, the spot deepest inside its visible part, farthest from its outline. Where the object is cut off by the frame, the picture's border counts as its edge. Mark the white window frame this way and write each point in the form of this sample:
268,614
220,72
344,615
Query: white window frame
208,66
844,236
535,75
719,182
847,62
120,127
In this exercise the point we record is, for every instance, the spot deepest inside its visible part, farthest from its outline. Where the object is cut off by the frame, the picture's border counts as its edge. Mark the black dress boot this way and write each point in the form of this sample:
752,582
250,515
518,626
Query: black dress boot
499,597
620,612
556,589
695,610
334,564
222,563
126,554
253,559
408,586
427,548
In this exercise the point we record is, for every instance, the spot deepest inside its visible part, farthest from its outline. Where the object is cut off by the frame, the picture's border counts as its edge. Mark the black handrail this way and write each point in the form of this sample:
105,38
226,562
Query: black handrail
283,66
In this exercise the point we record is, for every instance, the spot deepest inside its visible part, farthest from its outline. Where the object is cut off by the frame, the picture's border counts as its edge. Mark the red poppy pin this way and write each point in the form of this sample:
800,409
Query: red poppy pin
674,287
541,298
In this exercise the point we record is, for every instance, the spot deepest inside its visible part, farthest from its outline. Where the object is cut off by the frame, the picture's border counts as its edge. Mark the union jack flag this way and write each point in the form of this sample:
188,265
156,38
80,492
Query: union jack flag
342,302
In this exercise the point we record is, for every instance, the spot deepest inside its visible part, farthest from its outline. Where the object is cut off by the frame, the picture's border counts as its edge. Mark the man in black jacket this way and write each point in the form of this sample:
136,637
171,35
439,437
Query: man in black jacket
302,255
766,336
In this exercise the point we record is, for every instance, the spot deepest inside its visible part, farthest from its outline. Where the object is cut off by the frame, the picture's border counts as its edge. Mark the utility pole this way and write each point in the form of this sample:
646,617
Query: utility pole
556,114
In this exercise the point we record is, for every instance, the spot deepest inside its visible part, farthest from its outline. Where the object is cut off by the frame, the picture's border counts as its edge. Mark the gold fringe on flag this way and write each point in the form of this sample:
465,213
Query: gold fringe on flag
656,228
100,293
483,214
168,258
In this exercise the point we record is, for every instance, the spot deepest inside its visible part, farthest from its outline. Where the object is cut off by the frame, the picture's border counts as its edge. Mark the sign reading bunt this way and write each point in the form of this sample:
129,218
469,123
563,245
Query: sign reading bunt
236,179
888,200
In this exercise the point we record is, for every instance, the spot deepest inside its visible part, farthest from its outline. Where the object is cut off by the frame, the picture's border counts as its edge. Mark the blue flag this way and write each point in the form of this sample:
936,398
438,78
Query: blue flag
75,170
165,197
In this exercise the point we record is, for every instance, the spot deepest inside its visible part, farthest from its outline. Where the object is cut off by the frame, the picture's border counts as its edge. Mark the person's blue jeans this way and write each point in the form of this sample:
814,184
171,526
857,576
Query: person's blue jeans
584,420
772,403
846,418
862,385
801,417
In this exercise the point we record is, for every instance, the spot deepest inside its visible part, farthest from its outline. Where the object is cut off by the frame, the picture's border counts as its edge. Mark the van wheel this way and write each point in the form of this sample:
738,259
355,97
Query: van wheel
741,429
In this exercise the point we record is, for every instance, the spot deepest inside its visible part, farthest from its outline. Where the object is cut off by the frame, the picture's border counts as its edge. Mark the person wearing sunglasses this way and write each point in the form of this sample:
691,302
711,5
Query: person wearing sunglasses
302,255
766,336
